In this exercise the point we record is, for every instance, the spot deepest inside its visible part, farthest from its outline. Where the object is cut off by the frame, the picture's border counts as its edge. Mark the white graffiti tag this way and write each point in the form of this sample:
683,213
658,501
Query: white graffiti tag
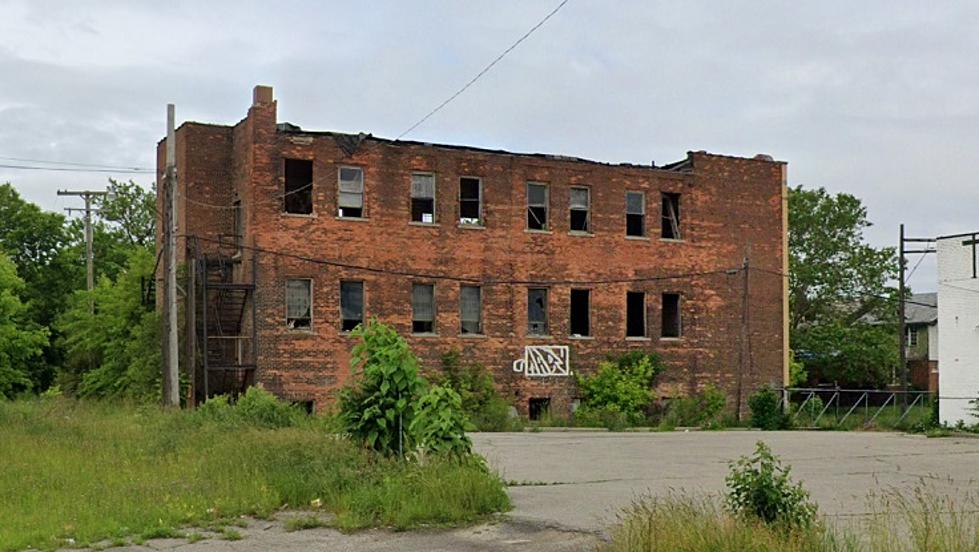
544,360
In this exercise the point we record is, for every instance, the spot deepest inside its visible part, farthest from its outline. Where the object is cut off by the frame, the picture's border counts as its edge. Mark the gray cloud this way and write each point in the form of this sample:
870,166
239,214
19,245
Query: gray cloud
877,99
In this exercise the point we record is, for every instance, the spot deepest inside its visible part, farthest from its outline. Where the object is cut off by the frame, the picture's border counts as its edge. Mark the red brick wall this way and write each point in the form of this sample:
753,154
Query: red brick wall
729,205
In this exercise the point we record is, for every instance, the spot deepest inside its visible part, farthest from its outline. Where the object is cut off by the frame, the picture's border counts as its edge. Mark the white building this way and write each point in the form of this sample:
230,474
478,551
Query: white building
958,317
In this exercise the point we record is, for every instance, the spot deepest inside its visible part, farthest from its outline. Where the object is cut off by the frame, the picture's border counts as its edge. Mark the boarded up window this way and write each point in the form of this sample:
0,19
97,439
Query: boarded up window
470,201
671,216
299,303
470,309
537,311
298,196
635,316
536,206
351,305
350,199
635,214
580,209
423,308
580,315
423,198
671,315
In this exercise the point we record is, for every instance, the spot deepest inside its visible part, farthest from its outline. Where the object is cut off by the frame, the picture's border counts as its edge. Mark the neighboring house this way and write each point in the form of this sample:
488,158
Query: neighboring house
921,340
958,317
293,237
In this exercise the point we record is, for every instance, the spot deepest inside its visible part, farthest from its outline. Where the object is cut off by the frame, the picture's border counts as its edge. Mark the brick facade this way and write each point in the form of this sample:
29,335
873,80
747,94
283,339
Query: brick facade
729,206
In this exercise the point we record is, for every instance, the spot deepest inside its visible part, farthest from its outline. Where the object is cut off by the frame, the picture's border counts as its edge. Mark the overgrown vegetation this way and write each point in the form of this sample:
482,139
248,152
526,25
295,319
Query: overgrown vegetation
21,340
704,409
619,393
760,488
766,410
89,471
482,404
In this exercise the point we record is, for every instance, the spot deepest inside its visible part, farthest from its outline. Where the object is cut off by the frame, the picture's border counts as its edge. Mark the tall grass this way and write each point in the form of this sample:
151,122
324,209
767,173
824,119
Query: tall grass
915,521
81,472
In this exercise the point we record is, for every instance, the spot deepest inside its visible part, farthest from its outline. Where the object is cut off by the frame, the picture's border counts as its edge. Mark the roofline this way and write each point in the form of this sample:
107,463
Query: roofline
962,235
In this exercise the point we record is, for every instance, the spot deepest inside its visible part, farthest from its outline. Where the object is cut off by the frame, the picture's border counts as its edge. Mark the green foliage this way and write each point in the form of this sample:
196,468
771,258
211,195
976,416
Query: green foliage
704,409
608,416
256,408
21,340
131,210
99,470
622,384
811,409
837,283
115,350
379,406
759,487
766,412
483,405
439,426
798,375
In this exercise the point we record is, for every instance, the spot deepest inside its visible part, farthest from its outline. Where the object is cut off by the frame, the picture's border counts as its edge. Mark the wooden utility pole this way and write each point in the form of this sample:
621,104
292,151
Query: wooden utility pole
171,380
88,196
743,356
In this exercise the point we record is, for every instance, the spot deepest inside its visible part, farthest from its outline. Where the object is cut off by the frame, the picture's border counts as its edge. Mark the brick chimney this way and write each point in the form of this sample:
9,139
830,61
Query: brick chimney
262,95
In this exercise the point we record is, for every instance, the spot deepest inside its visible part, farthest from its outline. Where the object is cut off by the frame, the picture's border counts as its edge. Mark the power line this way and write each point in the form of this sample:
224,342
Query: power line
484,71
76,169
916,265
864,293
429,276
96,165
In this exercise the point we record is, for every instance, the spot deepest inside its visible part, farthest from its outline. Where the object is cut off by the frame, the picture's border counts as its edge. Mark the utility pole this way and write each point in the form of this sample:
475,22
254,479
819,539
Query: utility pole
901,315
743,356
171,380
88,196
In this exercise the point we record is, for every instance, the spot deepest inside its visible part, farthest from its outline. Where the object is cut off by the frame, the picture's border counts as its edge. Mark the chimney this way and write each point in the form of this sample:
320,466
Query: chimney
262,95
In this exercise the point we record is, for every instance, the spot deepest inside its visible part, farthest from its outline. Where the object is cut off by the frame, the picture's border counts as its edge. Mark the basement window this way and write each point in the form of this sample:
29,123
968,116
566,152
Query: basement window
470,309
671,216
537,311
635,314
299,303
538,407
470,201
580,209
298,196
423,198
536,206
350,200
635,214
580,317
423,308
671,315
351,305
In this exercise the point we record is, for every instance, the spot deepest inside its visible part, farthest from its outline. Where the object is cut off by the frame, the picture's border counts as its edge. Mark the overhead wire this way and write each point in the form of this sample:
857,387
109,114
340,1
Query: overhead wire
72,163
75,169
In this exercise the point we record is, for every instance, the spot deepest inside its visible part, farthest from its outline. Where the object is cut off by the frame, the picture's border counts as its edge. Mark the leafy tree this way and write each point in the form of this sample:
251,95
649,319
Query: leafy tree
115,350
622,385
131,210
439,426
843,313
21,341
482,404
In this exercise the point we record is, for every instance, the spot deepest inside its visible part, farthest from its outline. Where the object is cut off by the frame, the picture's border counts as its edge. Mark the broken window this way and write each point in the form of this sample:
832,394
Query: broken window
671,216
536,206
635,214
537,311
350,200
423,308
671,315
299,303
580,316
538,407
635,314
470,201
298,196
470,307
423,198
351,305
580,209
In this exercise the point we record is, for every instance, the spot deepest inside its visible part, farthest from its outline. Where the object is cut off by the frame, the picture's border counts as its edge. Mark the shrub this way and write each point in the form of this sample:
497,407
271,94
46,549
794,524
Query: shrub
378,407
622,384
257,407
485,408
609,417
811,409
766,413
439,426
760,488
703,409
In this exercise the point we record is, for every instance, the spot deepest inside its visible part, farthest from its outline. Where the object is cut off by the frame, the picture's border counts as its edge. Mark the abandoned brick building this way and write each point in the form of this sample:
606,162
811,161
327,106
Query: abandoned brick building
292,237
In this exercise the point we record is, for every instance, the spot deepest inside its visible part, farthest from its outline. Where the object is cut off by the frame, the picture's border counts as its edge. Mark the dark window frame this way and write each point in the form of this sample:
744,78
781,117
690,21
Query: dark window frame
543,327
363,306
644,319
355,213
671,326
417,324
291,320
297,200
633,219
421,201
671,219
467,221
572,210
534,209
574,318
478,330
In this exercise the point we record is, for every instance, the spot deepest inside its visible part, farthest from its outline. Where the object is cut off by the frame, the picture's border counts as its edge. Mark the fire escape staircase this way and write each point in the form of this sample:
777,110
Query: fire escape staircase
225,327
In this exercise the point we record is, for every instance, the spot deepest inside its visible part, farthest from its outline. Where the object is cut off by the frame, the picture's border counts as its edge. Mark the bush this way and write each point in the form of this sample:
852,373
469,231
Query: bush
439,426
766,413
609,417
760,488
257,408
811,409
378,407
485,408
704,409
622,384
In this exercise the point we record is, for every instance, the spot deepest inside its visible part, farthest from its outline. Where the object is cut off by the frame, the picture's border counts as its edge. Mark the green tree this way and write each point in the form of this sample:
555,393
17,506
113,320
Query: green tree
131,210
21,340
115,350
843,316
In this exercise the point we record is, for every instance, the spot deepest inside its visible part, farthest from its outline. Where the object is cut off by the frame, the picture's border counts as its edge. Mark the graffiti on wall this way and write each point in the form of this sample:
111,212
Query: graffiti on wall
544,360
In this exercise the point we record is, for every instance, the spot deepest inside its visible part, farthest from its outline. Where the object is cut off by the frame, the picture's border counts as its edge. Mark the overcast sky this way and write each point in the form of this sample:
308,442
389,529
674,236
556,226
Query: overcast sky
877,99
